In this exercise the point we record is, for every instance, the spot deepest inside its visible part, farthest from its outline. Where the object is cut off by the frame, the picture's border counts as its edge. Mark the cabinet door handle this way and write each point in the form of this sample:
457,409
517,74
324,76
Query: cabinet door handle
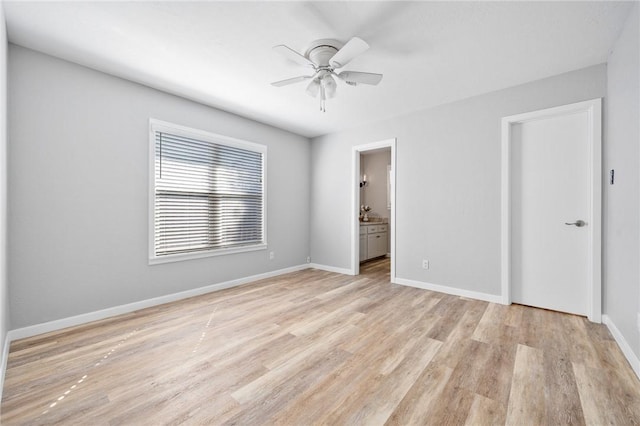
377,236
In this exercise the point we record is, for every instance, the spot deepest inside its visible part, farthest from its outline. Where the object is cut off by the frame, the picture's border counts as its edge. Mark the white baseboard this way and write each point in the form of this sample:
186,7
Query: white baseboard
624,345
46,327
327,268
3,361
450,290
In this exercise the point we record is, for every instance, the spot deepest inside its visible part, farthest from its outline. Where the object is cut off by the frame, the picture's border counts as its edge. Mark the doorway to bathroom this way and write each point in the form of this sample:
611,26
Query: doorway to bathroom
373,206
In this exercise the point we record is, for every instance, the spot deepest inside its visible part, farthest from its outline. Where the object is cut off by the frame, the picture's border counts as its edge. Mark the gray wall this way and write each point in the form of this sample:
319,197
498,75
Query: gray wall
448,182
78,191
4,300
622,203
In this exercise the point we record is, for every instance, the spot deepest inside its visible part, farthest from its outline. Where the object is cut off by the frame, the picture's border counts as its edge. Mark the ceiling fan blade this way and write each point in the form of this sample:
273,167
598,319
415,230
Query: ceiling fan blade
289,81
292,55
353,48
360,77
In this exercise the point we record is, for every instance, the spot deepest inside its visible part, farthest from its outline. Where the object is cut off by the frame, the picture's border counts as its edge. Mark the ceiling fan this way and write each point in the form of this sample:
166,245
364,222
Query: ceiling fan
325,56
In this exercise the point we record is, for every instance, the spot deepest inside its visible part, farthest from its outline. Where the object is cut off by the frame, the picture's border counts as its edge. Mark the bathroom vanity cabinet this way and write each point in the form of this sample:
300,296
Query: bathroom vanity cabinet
373,240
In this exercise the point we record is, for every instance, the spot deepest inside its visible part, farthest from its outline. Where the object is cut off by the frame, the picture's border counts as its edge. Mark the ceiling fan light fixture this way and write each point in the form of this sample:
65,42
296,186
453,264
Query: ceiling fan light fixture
313,88
329,85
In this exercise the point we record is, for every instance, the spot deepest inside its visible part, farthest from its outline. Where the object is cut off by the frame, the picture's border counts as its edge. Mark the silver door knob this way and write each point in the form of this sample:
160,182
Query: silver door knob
578,223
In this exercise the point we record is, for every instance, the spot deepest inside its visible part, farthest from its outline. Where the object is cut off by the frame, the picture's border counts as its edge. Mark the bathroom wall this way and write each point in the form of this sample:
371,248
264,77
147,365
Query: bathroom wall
374,165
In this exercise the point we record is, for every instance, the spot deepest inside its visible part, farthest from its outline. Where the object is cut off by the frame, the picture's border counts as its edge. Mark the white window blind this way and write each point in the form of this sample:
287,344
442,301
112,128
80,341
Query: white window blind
208,193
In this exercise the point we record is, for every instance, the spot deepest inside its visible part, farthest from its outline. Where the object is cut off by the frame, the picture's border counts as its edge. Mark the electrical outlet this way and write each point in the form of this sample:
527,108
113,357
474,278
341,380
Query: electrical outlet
272,255
308,259
425,264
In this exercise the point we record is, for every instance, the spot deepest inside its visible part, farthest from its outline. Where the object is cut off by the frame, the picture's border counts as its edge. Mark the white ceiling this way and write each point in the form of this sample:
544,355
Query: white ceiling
219,53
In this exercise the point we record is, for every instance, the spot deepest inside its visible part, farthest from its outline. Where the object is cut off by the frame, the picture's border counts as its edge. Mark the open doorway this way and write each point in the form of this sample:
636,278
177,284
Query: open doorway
373,207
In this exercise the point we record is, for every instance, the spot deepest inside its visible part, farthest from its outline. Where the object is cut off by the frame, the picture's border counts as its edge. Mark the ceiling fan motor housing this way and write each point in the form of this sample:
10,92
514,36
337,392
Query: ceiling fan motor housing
321,51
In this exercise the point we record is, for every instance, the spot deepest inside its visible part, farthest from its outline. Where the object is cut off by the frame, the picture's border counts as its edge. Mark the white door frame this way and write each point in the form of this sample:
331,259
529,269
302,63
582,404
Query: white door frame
355,204
594,110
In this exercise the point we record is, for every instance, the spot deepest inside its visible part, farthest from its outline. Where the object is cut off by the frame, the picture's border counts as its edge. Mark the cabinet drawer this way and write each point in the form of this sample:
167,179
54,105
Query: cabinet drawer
372,229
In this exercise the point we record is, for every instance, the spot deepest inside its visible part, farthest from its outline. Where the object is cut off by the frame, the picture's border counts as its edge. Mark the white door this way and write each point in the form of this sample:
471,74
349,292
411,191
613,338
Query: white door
551,194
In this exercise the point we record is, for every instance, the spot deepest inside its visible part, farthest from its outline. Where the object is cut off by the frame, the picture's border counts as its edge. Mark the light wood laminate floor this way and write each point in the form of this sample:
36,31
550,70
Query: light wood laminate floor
315,347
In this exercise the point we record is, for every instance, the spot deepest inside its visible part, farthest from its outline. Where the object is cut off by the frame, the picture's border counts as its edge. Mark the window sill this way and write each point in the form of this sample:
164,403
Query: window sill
156,260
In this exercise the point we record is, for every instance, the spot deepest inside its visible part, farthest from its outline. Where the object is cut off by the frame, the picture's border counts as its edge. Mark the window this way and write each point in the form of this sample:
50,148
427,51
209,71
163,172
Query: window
207,194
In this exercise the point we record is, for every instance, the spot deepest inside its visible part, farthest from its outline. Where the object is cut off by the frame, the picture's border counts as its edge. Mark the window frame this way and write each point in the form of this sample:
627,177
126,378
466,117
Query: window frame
156,125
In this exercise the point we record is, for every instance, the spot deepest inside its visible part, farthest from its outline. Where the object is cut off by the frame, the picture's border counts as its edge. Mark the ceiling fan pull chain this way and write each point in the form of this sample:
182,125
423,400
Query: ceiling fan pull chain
322,98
